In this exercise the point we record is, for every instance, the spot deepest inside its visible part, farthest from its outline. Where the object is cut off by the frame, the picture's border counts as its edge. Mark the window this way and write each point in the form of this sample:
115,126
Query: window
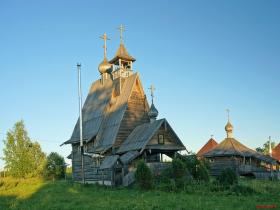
160,139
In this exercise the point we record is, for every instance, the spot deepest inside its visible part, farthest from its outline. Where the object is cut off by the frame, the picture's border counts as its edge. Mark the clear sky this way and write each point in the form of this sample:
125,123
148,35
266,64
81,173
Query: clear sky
202,57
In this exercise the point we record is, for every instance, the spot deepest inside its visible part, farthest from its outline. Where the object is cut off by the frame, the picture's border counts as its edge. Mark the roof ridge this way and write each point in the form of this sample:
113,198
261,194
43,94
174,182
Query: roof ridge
233,145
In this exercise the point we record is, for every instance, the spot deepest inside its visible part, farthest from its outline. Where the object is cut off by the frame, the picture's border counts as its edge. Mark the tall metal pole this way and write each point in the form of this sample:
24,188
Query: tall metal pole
81,121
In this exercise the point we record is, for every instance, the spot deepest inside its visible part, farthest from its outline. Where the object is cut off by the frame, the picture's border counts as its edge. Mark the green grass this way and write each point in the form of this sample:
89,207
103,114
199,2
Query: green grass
38,194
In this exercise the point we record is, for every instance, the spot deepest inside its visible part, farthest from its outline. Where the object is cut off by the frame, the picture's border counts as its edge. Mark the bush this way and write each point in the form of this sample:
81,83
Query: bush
199,169
228,177
143,175
55,166
178,169
191,163
202,173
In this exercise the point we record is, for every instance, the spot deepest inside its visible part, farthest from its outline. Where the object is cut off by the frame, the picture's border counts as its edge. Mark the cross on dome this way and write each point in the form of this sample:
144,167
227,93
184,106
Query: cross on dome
152,88
105,38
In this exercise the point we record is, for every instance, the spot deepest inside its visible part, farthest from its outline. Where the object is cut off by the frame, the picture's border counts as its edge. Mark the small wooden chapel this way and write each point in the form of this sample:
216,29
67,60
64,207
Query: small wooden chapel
119,126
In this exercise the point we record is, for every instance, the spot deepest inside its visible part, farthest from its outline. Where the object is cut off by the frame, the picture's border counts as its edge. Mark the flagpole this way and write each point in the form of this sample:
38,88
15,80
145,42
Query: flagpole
81,120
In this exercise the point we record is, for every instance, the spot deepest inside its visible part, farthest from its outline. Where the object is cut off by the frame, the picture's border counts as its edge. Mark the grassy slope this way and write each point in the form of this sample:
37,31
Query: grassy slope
36,194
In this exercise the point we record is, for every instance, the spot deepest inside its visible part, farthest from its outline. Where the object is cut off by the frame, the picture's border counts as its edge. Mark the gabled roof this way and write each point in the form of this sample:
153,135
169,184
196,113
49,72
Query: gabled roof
122,53
211,144
142,134
232,147
276,152
102,114
113,117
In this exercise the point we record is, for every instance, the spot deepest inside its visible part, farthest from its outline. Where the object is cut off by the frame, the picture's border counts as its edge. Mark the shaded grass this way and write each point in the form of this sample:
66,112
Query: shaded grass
37,194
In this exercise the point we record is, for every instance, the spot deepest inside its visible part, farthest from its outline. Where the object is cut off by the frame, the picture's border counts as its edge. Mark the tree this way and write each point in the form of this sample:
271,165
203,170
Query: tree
22,157
143,175
227,177
55,166
265,148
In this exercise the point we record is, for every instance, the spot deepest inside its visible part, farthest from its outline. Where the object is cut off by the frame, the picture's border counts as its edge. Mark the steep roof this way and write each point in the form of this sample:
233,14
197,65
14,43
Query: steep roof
211,143
142,134
103,112
276,152
109,162
122,53
232,147
129,156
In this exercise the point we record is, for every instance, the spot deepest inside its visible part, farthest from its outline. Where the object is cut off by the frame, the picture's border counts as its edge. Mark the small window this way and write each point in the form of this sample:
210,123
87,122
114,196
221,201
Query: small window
160,139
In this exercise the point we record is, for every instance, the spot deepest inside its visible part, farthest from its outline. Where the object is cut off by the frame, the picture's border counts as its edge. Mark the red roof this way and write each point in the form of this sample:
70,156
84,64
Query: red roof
276,152
211,144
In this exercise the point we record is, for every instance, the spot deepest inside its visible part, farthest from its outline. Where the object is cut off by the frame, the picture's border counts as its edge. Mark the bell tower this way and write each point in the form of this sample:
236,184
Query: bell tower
122,62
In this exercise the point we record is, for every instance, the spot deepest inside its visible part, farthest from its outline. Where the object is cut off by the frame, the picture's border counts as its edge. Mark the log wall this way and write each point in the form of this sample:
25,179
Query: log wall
217,165
91,168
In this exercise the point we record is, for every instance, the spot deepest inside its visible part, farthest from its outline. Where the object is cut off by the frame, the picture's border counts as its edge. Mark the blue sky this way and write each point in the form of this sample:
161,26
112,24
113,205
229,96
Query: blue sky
202,57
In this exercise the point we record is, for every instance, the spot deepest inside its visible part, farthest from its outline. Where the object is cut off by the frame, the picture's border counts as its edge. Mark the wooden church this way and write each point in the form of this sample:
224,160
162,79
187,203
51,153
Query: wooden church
119,126
230,153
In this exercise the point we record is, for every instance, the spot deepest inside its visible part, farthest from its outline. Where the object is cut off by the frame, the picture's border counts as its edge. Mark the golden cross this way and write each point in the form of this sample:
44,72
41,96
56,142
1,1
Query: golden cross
152,88
121,29
105,38
227,110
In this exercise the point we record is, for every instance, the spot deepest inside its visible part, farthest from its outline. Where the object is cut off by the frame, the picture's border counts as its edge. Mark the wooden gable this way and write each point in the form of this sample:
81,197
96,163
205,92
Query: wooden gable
164,139
135,114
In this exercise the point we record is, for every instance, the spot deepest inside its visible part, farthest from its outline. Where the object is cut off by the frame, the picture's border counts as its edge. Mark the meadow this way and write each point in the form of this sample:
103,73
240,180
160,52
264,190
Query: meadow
39,194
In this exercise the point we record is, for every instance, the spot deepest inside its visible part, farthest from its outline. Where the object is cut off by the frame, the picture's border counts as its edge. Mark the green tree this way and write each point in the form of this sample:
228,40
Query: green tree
22,157
265,148
55,166
228,177
143,175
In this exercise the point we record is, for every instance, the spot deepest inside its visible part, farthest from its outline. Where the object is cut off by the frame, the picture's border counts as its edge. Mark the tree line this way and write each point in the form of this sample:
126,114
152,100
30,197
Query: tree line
24,158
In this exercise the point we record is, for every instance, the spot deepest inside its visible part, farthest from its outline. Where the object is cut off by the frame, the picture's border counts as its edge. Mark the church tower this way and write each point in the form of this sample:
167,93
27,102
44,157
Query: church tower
122,62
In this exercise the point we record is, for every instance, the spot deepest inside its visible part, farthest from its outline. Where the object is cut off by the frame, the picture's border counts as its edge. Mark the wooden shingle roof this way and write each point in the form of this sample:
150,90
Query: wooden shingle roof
103,113
211,144
129,156
232,147
142,134
109,162
122,53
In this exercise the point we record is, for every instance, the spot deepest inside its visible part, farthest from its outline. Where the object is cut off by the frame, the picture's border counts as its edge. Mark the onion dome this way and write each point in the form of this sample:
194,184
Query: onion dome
229,127
229,130
153,112
104,66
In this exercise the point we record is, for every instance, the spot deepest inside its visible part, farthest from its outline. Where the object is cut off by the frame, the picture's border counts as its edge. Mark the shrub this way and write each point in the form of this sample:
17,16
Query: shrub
202,173
228,177
178,169
199,169
143,175
191,163
55,166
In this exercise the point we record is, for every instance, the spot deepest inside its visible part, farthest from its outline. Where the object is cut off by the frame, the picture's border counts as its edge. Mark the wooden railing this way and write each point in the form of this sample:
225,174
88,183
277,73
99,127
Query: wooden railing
249,169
